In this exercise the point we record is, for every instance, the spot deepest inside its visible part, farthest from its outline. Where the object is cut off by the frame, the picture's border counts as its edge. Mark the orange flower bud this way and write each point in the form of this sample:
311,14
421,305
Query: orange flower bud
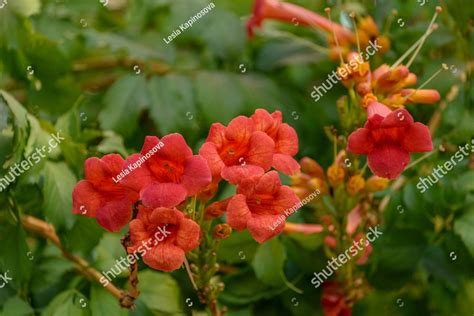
317,184
311,167
368,25
355,184
424,96
222,231
392,77
395,100
385,43
375,184
301,192
377,73
367,99
299,179
216,209
306,229
336,174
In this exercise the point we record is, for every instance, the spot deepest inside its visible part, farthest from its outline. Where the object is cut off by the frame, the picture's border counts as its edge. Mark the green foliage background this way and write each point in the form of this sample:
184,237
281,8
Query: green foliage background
85,84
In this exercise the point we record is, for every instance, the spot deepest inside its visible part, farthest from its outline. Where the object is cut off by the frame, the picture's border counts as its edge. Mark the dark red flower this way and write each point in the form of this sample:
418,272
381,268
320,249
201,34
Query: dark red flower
284,136
169,171
100,196
162,236
334,300
237,151
260,205
388,138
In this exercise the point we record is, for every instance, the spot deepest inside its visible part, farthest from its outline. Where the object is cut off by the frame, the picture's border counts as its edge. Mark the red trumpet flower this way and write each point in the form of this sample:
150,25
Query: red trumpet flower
237,151
162,236
100,196
388,138
260,205
284,136
169,171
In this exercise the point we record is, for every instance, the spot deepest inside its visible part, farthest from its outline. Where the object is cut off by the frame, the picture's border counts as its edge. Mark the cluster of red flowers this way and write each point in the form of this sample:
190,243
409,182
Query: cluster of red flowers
387,137
241,153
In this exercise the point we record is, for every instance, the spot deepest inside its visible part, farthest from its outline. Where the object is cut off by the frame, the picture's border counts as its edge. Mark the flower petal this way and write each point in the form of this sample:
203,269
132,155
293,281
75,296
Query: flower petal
269,183
163,195
261,149
85,199
214,161
165,257
235,174
239,129
238,212
114,214
196,175
397,118
388,161
417,138
264,227
216,134
360,142
139,177
188,235
102,170
138,233
287,140
286,164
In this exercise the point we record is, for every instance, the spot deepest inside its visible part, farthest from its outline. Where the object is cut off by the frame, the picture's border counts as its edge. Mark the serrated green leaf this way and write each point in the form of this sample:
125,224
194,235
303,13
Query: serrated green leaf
57,191
172,103
124,101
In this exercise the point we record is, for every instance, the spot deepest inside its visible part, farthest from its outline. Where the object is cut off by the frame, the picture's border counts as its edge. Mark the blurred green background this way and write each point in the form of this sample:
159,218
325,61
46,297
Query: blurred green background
105,78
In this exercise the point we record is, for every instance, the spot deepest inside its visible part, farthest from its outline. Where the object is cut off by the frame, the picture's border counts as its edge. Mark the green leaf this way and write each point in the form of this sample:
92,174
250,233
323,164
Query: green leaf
260,91
218,96
108,252
13,254
70,303
102,303
239,247
15,306
124,101
83,226
243,288
269,261
219,24
172,103
112,143
57,191
135,47
25,7
160,292
463,227
21,127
